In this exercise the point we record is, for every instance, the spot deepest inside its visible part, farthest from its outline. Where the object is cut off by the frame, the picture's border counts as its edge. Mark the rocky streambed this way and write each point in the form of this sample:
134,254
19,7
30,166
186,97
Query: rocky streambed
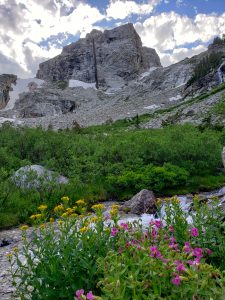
12,238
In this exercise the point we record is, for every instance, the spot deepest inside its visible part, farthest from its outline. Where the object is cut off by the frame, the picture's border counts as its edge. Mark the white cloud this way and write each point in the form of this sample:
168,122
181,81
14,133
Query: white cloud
179,54
119,9
26,23
171,31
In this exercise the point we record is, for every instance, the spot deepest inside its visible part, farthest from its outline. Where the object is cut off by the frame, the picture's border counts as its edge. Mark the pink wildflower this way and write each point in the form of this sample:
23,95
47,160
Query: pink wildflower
90,296
124,226
180,267
176,280
158,224
155,252
187,247
209,252
79,293
198,252
114,231
172,239
171,229
194,231
154,233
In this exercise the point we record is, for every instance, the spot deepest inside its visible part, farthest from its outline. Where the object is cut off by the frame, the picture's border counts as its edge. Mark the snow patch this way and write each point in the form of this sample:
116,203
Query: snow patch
22,86
147,72
178,97
3,120
77,83
153,106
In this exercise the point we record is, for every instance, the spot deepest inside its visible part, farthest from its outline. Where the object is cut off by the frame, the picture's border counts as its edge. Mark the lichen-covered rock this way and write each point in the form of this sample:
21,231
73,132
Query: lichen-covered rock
143,202
112,58
37,177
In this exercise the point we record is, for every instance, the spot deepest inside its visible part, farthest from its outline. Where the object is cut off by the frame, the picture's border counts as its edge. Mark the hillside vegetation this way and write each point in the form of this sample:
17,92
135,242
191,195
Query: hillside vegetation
108,162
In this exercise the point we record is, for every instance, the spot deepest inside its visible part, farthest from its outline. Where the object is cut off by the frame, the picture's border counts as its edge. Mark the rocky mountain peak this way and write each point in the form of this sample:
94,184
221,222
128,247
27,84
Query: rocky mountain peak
111,59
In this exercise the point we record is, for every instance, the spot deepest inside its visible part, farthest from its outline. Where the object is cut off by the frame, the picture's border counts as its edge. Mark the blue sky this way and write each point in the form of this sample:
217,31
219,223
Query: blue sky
32,31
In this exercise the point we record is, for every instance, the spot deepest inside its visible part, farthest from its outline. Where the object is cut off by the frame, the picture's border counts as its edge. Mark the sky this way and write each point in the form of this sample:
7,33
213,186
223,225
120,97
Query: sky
32,31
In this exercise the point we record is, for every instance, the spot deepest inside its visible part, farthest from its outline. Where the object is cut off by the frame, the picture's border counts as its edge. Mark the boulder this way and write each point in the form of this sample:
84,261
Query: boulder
6,81
143,202
37,177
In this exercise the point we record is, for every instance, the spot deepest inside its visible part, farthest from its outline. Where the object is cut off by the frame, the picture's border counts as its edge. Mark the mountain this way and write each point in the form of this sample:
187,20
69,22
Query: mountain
108,76
111,59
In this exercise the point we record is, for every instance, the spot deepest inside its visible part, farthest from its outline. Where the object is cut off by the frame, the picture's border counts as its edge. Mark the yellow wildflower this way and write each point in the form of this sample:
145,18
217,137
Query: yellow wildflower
115,206
24,227
59,208
98,207
65,215
65,199
113,213
60,222
42,207
42,226
80,202
74,207
51,220
9,256
94,219
69,210
83,229
15,250
73,215
81,216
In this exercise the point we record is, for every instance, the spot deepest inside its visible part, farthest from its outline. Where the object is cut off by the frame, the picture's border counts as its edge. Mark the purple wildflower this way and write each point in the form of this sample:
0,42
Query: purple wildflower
194,231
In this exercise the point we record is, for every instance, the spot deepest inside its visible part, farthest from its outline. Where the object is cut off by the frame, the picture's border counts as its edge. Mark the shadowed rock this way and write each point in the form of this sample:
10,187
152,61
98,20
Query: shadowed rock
143,202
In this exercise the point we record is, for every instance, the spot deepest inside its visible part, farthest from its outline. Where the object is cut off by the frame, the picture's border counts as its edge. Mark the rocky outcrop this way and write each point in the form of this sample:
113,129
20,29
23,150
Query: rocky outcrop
37,177
111,58
6,81
143,202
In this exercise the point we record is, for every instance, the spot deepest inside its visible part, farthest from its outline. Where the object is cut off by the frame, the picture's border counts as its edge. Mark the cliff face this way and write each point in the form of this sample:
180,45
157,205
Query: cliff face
6,80
111,58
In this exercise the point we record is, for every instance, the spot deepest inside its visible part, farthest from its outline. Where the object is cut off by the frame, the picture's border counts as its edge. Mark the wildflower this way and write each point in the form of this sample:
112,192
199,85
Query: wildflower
15,250
194,232
172,239
155,252
65,215
51,220
36,217
9,256
154,232
42,226
115,206
98,207
171,229
114,231
209,252
94,219
42,207
79,293
113,213
90,296
65,199
124,226
187,247
180,267
73,215
24,227
198,252
59,208
83,229
176,280
158,224
80,202
60,222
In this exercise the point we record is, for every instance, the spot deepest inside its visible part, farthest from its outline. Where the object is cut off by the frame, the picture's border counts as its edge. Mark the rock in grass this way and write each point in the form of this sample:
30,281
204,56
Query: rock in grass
143,202
37,177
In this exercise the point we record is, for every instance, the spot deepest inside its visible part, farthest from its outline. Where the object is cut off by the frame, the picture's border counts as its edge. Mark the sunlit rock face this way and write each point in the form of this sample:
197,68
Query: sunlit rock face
112,58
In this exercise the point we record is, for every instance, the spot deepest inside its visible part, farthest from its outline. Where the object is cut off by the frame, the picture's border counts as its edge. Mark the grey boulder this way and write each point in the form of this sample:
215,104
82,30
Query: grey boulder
143,202
37,177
